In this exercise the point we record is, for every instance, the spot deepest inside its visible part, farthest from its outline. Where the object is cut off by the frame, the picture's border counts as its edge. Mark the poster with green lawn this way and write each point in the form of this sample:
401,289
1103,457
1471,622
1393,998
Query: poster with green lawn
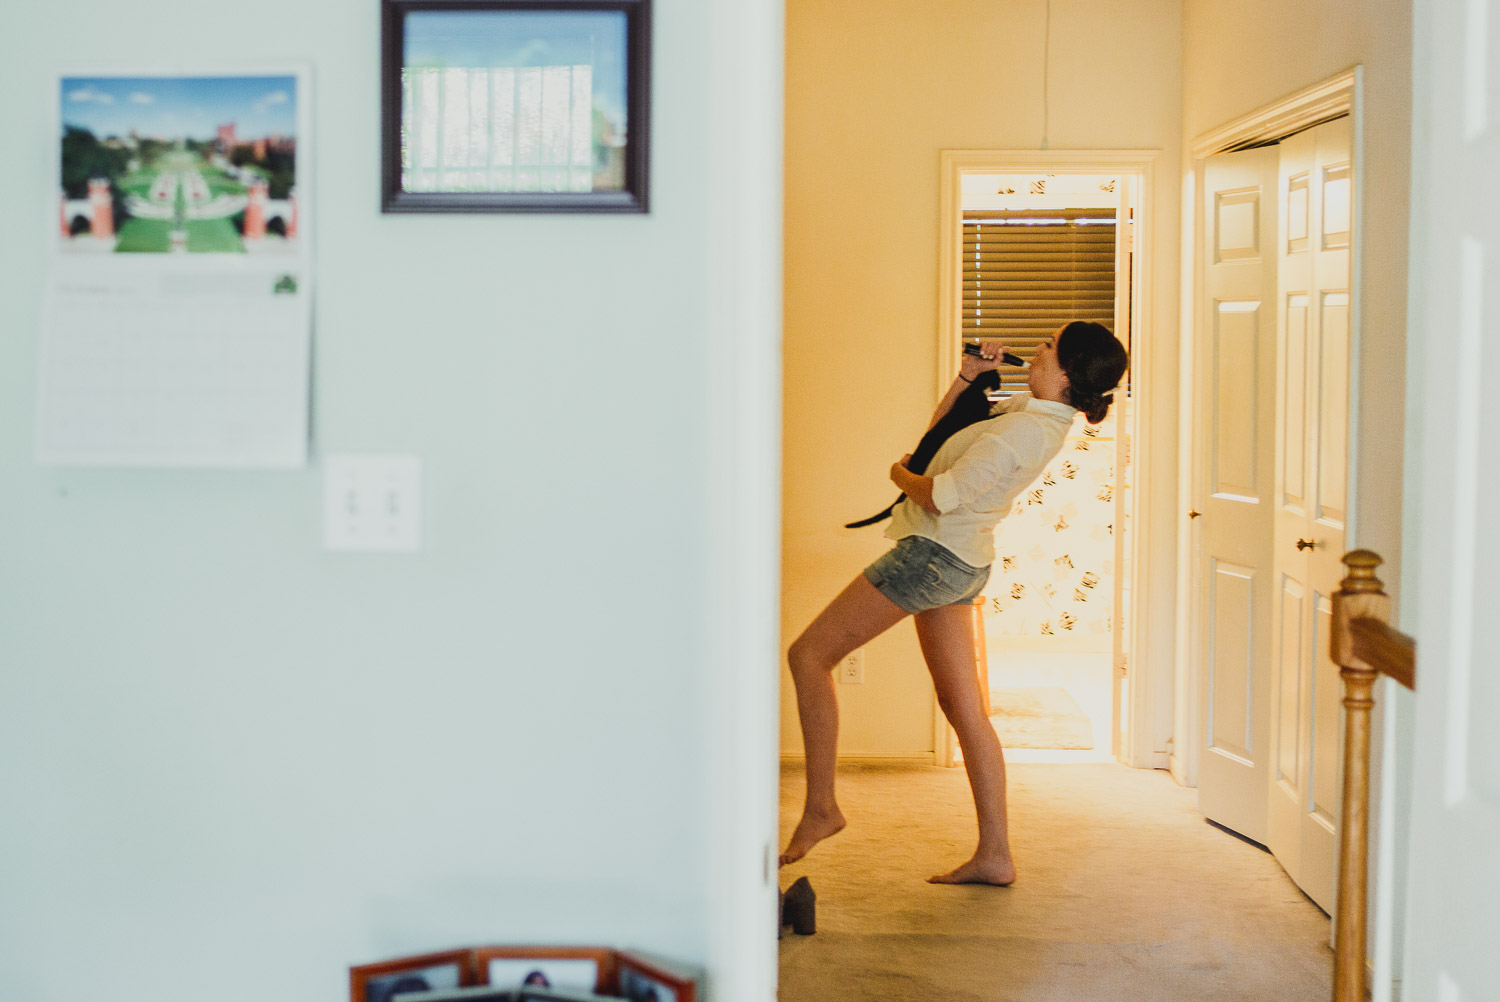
179,165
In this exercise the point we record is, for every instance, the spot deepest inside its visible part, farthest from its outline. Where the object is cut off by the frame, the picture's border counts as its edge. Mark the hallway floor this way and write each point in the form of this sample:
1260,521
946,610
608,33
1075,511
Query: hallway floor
1124,893
1086,677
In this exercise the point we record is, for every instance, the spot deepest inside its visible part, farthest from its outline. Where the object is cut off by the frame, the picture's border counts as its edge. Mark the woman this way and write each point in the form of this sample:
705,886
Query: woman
945,543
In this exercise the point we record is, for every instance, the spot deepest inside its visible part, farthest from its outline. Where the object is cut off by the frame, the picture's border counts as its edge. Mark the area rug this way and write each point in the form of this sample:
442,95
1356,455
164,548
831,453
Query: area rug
1039,718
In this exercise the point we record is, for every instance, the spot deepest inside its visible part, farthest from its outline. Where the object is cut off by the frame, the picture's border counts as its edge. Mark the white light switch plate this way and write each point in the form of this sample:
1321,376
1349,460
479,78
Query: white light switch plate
372,502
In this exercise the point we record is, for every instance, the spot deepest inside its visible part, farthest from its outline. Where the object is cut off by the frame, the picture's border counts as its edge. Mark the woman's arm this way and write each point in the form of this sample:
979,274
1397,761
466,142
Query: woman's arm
969,366
913,485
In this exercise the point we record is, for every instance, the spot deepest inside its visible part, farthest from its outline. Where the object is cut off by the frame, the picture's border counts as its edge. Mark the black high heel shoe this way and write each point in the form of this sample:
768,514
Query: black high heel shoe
799,908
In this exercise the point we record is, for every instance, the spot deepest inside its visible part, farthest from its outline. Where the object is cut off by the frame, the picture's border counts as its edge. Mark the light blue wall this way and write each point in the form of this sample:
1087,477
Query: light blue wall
229,758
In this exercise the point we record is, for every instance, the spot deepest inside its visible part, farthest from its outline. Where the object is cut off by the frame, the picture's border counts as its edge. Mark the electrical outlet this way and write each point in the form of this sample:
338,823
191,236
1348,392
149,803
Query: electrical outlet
852,668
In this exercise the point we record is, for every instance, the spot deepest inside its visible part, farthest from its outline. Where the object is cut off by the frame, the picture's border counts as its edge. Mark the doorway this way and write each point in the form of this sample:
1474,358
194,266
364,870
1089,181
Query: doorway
1033,241
1272,464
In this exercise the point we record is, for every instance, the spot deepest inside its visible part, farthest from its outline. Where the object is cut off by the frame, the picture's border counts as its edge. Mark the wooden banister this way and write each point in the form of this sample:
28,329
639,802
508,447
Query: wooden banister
1364,646
1388,651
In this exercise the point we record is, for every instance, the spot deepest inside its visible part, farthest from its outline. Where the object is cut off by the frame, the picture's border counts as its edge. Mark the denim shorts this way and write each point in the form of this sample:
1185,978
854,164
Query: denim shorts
918,574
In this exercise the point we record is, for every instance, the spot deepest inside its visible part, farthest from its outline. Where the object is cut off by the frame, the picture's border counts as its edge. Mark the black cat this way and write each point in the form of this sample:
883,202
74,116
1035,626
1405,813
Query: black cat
972,405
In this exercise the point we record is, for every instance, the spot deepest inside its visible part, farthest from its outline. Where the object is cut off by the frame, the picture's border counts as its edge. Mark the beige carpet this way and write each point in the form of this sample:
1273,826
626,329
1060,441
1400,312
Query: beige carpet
1039,718
1124,893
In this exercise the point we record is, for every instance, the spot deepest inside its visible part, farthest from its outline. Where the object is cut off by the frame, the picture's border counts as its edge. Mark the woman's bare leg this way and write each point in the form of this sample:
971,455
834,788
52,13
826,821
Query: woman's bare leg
859,614
947,637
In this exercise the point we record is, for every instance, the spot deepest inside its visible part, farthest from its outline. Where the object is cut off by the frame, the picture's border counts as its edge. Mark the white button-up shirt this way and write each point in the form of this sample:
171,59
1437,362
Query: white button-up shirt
980,471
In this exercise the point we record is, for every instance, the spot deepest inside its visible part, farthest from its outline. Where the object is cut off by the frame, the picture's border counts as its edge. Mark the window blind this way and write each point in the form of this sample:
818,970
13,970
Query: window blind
1028,272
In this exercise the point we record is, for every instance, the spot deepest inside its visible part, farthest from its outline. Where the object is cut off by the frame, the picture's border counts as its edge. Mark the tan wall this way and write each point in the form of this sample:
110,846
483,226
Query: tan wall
1237,57
875,89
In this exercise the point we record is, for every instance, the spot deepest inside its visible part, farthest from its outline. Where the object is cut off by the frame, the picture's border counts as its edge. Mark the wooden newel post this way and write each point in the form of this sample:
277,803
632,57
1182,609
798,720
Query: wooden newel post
1360,595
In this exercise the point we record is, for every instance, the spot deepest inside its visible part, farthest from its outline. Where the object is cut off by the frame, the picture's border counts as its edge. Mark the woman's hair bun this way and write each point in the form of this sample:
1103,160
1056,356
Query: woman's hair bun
1098,407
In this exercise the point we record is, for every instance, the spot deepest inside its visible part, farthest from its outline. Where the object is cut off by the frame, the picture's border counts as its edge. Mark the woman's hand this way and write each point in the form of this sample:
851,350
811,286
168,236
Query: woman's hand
969,368
988,359
913,485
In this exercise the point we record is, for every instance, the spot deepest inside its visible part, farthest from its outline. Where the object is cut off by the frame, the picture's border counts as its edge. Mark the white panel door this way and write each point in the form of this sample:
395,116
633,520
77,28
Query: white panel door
1314,237
1236,383
1453,917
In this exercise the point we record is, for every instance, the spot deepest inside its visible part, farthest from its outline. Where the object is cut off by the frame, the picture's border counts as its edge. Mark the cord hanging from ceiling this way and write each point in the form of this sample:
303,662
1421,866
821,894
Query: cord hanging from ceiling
1046,69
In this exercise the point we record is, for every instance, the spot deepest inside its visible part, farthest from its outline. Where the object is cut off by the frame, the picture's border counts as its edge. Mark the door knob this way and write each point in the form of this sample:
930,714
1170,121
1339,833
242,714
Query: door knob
1194,514
1306,544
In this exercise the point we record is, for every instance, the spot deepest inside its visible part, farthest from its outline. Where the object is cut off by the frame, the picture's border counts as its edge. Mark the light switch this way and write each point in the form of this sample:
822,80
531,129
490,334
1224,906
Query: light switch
372,502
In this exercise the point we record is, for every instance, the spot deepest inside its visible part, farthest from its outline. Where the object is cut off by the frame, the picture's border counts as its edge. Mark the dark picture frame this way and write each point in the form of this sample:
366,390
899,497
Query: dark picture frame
634,972
598,174
376,982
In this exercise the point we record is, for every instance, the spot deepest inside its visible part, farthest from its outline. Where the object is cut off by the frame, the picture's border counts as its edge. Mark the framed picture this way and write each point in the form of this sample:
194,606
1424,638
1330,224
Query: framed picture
515,105
562,968
642,981
552,995
430,972
481,993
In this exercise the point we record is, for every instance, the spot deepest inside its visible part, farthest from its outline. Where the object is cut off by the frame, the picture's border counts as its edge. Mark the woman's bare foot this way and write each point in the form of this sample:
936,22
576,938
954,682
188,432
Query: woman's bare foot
814,827
1000,872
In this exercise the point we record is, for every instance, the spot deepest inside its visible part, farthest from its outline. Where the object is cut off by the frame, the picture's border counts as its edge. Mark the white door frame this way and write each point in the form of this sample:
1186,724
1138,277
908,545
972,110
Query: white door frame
743,500
1453,890
1328,99
1138,741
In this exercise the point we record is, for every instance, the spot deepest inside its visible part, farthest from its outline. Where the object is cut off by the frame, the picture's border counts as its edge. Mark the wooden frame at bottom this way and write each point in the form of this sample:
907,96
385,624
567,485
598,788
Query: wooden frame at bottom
638,978
616,973
537,958
377,982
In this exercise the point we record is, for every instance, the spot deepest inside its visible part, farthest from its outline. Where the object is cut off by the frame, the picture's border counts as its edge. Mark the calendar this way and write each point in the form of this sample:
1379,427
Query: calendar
183,368
178,316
